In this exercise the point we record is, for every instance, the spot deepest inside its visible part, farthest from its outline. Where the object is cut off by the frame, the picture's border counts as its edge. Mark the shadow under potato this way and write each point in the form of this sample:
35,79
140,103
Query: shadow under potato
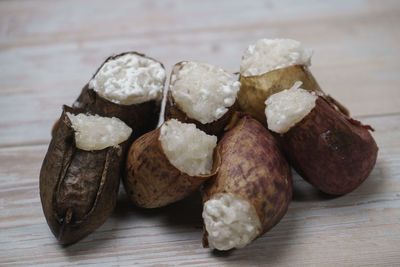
268,249
184,212
305,192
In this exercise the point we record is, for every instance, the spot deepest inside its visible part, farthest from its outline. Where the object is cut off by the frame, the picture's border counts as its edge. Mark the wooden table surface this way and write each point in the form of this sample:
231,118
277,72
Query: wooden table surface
49,50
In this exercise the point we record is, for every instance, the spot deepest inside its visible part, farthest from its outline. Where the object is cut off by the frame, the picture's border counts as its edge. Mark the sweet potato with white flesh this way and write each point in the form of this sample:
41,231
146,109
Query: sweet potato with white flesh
202,94
330,150
80,175
270,66
251,191
169,163
127,86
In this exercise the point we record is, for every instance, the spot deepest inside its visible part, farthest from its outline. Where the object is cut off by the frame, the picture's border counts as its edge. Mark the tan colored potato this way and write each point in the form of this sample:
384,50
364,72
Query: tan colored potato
256,89
253,169
150,179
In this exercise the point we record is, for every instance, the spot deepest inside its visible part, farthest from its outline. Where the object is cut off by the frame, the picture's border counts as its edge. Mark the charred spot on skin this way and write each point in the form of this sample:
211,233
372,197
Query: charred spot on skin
338,141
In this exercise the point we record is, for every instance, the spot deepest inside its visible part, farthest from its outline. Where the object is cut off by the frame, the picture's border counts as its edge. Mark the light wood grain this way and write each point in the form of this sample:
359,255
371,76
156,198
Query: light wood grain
49,50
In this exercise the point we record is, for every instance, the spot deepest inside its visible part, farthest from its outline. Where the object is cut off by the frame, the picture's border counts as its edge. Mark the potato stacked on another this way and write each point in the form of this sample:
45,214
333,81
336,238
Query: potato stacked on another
128,86
273,65
202,94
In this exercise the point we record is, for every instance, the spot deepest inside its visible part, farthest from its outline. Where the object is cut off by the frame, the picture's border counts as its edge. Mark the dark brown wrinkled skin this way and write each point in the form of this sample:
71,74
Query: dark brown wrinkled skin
78,188
142,117
173,111
331,151
254,169
254,90
151,181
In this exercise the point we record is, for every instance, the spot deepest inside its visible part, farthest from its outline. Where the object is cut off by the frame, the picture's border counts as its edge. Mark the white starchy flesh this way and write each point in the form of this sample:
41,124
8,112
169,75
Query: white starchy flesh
230,221
129,79
204,92
284,109
96,133
189,149
272,54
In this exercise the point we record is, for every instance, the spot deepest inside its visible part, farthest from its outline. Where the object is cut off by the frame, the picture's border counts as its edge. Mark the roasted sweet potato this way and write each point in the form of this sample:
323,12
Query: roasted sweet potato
251,191
78,188
163,168
202,94
330,150
127,86
271,66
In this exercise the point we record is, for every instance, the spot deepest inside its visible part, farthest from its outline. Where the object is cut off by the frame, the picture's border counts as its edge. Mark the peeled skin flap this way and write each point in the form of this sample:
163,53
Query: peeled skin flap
330,150
252,169
151,180
78,188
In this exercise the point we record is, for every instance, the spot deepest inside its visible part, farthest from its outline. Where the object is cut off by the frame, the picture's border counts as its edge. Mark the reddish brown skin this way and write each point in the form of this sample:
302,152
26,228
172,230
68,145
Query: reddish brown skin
330,150
78,188
142,117
254,169
173,111
151,181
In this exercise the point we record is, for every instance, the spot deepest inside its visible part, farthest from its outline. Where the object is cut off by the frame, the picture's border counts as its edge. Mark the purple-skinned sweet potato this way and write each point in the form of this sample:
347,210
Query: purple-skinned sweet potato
328,149
251,191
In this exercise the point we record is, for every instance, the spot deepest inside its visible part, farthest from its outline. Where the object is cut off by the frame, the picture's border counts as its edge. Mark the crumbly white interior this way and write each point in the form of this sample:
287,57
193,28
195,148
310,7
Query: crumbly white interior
284,109
271,54
129,79
204,92
96,133
189,149
230,221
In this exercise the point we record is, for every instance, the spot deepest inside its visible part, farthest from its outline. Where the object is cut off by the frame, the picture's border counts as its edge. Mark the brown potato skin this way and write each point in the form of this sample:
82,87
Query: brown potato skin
173,111
254,169
78,188
331,151
254,90
142,117
151,181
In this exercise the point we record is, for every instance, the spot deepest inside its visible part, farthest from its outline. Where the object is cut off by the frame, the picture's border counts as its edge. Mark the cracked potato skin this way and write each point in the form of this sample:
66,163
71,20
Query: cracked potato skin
330,150
78,188
151,181
254,169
